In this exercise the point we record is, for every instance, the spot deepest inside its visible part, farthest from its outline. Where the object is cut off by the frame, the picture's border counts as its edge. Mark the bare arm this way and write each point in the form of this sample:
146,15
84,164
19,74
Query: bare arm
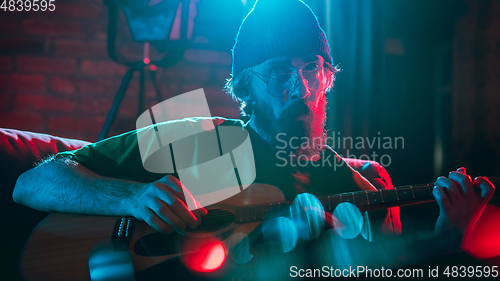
66,186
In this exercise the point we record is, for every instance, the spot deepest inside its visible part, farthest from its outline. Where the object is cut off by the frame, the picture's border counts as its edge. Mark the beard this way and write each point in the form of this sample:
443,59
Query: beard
308,133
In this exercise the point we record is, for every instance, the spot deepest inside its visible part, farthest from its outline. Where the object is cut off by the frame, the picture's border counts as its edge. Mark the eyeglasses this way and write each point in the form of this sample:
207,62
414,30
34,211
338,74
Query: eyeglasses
281,83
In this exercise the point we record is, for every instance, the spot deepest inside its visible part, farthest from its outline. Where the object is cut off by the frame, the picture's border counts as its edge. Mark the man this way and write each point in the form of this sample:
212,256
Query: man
282,69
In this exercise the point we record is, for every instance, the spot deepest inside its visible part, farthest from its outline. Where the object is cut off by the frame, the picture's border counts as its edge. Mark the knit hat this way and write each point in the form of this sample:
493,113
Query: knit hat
278,28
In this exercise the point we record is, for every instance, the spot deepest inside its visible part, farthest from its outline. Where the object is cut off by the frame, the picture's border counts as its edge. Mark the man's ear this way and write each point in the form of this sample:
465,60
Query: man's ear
246,96
243,87
248,103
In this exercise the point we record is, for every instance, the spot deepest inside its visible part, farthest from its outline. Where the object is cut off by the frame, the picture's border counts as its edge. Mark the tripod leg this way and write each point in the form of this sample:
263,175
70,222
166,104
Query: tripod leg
155,85
140,102
116,104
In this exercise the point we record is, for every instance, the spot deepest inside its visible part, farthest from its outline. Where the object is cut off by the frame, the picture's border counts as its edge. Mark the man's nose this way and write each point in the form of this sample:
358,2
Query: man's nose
300,90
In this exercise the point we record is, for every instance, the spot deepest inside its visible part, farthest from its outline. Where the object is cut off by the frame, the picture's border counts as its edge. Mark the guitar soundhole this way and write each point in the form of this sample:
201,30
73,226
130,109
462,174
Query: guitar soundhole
214,220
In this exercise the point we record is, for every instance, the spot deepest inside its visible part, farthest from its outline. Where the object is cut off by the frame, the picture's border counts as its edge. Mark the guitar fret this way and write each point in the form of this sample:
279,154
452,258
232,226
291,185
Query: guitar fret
422,192
389,195
335,201
360,199
403,195
323,201
267,209
347,197
374,197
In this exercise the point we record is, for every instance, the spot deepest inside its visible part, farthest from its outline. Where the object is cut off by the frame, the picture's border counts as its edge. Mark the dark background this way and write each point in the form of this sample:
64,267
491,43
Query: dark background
424,70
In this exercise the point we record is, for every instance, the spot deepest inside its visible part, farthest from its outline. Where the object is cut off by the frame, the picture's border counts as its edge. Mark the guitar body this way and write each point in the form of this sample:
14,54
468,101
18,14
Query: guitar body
76,247
60,246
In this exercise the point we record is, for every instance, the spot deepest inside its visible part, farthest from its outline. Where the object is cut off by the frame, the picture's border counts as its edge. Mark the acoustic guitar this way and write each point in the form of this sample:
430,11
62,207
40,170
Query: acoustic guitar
61,246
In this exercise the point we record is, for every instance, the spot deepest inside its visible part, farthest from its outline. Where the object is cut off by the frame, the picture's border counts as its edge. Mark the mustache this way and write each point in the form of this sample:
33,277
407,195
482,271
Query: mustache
295,109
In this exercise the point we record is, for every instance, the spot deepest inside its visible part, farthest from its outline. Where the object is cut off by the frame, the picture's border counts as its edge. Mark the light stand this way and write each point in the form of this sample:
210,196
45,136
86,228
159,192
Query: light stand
174,52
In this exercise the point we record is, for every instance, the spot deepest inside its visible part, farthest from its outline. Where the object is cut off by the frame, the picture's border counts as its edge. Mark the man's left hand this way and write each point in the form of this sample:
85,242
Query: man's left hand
460,205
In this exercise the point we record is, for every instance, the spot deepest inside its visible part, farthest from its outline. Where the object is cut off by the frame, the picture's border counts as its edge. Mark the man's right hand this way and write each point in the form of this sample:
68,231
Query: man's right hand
161,204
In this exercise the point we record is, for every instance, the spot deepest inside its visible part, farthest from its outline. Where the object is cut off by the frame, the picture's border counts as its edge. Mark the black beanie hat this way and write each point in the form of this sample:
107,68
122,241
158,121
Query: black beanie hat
277,28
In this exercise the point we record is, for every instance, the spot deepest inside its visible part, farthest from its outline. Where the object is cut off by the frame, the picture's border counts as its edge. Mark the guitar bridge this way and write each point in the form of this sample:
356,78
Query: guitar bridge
122,231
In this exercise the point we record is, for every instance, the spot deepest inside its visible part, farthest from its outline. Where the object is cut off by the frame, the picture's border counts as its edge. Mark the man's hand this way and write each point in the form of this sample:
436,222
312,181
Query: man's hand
460,205
162,205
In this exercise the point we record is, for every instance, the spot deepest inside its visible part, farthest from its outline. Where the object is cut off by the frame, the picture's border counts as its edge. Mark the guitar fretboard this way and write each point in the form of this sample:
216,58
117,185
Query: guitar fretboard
364,200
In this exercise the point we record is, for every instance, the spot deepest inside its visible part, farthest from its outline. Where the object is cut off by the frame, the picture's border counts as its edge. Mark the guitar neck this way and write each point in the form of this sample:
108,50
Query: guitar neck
380,199
364,200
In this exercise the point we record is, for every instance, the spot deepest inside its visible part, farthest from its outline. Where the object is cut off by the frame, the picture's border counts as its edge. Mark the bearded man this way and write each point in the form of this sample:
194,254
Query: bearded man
281,72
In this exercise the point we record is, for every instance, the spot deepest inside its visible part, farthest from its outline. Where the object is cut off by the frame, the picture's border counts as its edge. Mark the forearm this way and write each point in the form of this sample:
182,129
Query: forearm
66,186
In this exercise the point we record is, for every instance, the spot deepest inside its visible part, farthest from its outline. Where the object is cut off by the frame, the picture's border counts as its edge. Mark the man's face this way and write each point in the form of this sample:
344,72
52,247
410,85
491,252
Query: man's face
299,113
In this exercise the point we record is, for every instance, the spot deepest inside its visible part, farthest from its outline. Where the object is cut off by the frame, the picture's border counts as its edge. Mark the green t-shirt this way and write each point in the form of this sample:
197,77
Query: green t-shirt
119,157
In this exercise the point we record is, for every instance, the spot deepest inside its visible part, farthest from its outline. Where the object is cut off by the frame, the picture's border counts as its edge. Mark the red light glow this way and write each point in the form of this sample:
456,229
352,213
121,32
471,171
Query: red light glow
147,60
215,258
484,240
206,258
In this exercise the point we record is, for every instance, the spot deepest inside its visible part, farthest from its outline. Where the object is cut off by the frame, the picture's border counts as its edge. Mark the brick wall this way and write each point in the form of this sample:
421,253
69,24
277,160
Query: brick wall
56,76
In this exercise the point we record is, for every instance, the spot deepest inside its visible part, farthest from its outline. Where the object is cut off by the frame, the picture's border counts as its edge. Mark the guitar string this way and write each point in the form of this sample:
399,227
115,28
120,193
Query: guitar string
357,193
227,215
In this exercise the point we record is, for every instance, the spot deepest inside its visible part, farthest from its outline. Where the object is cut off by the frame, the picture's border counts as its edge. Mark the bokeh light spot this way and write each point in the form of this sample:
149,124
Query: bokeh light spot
348,220
206,256
280,233
216,255
308,216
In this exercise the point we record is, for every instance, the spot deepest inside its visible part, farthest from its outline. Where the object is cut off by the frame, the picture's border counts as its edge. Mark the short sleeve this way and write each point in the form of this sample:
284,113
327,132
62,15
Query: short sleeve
115,157
120,157
378,176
